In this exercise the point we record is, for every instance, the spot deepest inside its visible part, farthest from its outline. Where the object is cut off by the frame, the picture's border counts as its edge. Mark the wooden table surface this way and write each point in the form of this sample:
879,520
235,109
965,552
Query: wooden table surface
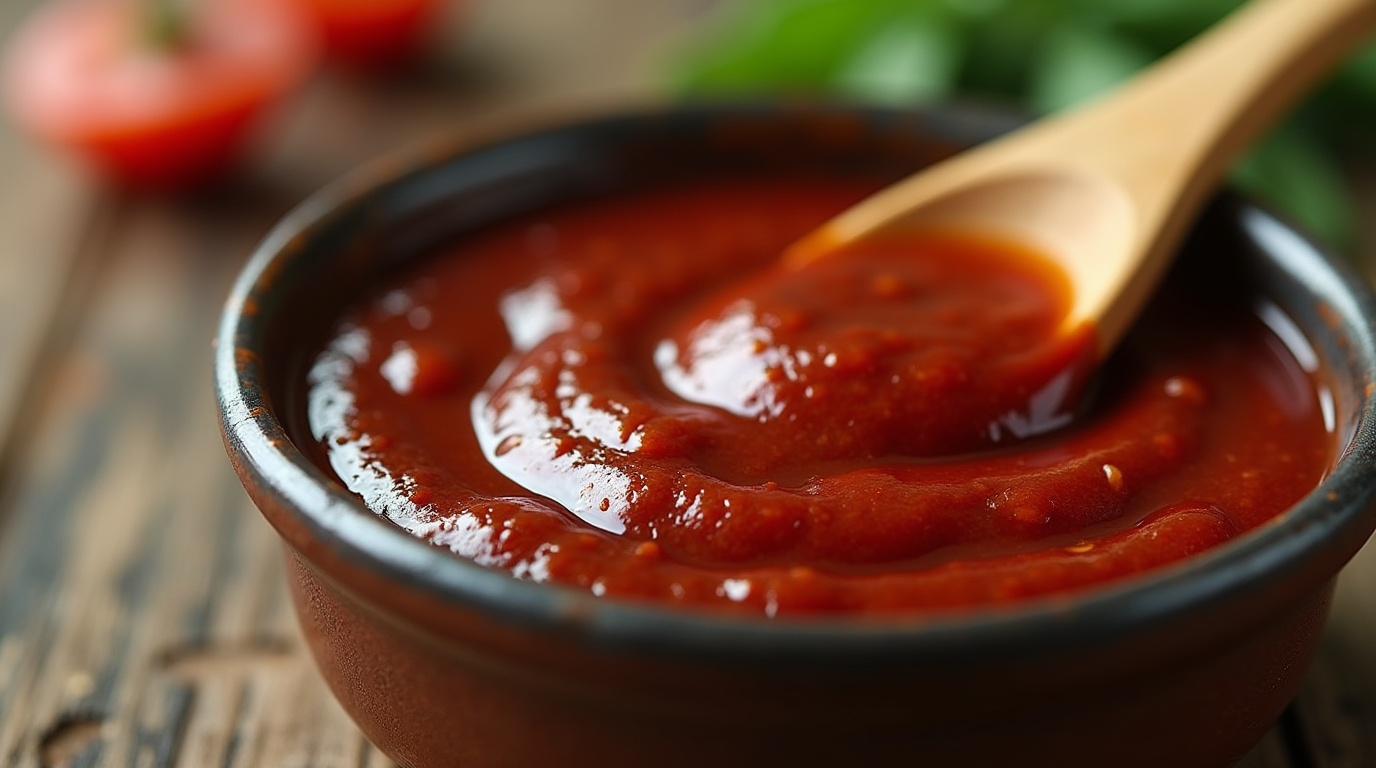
143,617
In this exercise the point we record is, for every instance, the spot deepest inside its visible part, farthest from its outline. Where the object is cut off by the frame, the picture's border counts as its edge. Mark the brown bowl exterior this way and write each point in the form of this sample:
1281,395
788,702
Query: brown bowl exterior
445,663
486,698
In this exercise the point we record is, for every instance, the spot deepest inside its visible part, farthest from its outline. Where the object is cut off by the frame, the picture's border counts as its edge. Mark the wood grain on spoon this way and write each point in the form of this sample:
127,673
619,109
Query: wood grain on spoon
1108,190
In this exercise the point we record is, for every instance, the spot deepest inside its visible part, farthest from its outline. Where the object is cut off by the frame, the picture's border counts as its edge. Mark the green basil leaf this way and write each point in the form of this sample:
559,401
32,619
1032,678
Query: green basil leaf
783,45
1077,62
909,60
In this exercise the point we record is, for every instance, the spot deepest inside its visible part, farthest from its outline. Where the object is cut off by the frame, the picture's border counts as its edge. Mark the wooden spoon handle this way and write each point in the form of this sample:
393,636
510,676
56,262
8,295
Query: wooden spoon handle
1193,114
1108,189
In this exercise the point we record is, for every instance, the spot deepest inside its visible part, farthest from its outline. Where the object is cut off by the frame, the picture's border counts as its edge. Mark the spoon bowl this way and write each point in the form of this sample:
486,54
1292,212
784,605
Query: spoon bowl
1107,191
441,660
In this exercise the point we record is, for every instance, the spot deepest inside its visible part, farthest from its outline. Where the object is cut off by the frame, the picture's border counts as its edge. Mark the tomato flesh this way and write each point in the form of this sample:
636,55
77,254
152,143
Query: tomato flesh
82,74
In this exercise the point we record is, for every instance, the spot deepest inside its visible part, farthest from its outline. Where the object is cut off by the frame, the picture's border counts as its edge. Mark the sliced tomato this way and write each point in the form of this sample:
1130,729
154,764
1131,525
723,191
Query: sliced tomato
85,75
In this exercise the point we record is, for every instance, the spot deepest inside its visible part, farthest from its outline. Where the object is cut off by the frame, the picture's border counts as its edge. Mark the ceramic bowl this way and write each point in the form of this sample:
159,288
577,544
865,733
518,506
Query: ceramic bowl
442,662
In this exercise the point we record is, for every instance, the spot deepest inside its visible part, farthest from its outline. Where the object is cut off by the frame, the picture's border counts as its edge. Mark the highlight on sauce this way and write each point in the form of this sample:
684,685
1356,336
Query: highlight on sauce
632,396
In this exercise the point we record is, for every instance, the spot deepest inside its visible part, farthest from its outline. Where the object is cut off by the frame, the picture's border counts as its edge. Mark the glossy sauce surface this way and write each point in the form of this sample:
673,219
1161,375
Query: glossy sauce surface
631,396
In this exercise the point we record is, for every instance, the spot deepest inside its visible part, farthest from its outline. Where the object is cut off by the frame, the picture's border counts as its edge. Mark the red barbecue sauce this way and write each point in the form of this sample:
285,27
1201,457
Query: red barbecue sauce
634,396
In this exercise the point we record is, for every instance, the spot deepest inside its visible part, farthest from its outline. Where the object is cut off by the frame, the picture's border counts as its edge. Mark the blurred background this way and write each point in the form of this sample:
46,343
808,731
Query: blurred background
1038,56
147,145
399,70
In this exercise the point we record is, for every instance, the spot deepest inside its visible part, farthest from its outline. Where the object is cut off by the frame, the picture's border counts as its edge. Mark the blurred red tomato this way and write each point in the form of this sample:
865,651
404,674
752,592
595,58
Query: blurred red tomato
373,33
85,74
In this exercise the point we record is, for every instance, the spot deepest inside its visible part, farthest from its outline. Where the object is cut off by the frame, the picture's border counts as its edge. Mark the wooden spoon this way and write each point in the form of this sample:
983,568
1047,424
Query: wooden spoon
1108,190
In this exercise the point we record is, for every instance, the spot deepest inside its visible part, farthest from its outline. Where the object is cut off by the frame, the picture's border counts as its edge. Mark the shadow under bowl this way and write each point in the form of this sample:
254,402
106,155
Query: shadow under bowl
443,662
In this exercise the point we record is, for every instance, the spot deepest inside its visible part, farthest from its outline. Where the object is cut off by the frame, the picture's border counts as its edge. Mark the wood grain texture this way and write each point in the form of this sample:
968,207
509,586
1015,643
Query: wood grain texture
143,617
1335,713
43,218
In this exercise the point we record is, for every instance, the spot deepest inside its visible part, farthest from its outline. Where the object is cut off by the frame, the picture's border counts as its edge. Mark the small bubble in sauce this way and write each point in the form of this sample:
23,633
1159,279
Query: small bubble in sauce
1114,475
1186,389
735,590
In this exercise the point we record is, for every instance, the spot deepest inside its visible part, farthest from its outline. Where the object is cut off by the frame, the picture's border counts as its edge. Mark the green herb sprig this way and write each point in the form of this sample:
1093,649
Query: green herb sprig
1040,55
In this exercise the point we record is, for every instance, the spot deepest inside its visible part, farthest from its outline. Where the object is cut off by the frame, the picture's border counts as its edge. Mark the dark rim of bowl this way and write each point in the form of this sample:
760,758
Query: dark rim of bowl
1325,527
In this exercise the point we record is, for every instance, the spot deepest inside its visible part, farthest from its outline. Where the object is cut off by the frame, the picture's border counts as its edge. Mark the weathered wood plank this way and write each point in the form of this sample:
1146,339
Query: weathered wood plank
138,589
143,619
497,62
1335,713
142,616
43,215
